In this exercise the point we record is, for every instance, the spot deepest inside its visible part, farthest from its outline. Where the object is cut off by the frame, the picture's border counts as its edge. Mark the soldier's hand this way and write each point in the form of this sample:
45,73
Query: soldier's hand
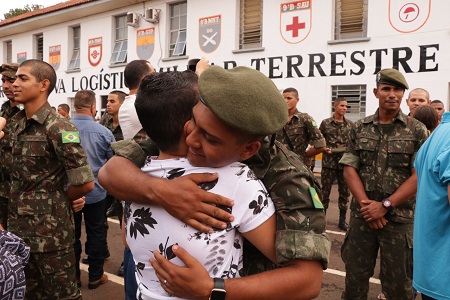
78,204
2,125
186,201
202,65
372,210
378,224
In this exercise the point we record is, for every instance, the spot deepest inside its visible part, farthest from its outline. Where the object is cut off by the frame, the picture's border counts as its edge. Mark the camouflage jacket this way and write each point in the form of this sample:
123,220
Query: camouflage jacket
336,136
300,131
47,157
384,158
300,226
8,113
107,121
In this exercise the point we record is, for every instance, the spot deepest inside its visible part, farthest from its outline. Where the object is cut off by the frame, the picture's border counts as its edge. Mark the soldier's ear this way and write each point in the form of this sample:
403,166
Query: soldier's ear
375,92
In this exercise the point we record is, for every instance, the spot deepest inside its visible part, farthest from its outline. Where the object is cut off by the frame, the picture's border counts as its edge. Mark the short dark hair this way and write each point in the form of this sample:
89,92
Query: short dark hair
134,72
291,90
437,101
83,99
41,70
427,115
338,100
121,95
65,107
164,103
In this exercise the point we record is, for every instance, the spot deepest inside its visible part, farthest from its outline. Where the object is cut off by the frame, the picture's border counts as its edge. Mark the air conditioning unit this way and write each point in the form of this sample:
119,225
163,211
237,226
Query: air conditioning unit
151,15
132,19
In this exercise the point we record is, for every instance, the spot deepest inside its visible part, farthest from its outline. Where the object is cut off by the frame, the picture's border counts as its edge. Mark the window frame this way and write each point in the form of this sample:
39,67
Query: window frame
8,51
119,53
250,24
39,46
74,63
180,42
350,23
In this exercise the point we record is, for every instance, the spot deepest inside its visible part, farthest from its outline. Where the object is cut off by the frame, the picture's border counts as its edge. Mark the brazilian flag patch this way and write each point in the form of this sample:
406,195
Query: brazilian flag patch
316,201
70,137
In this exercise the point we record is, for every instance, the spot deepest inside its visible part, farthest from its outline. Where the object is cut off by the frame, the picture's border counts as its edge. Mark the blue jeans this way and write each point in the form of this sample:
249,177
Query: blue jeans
129,276
94,220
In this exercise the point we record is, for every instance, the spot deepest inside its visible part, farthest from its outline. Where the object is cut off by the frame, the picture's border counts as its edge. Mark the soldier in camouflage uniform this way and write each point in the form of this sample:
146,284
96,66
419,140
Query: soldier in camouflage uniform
335,130
379,170
300,130
301,233
49,168
8,110
111,118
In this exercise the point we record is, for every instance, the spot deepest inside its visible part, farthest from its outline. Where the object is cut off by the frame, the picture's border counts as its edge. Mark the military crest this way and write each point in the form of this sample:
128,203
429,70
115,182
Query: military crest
295,20
21,57
95,51
408,15
54,56
209,33
145,42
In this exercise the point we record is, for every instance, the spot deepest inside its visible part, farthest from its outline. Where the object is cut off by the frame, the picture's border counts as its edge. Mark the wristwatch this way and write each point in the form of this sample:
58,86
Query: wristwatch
388,205
218,292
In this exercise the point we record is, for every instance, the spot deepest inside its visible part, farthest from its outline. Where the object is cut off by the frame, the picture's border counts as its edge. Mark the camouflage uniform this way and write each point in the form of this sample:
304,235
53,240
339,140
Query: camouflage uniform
300,226
383,156
300,131
8,113
336,135
107,121
45,161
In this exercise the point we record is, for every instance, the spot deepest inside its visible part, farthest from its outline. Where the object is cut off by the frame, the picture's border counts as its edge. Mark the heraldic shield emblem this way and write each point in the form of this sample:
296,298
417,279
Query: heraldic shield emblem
209,33
408,15
295,20
145,43
95,51
54,56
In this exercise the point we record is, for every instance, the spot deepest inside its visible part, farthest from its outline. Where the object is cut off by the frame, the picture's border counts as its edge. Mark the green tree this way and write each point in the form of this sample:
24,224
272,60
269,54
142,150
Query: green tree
18,11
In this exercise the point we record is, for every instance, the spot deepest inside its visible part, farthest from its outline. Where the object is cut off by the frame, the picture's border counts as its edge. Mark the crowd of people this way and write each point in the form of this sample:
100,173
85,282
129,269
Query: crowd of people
255,229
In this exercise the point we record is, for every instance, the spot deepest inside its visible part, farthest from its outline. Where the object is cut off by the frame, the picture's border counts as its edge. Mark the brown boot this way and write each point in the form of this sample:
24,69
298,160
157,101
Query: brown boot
95,284
342,225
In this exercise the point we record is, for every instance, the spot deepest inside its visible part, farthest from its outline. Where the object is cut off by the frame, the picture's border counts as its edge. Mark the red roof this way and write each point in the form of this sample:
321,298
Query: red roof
43,11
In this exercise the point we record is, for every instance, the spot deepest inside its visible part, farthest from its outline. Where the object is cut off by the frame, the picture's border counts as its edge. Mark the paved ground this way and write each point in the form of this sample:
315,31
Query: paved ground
333,280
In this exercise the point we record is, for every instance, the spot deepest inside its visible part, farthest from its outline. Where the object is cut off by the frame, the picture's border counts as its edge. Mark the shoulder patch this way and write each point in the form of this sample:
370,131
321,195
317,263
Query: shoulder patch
316,200
70,137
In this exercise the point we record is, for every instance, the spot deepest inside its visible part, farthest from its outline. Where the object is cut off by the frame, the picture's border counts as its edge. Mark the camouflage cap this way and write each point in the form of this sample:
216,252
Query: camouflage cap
9,69
392,77
243,98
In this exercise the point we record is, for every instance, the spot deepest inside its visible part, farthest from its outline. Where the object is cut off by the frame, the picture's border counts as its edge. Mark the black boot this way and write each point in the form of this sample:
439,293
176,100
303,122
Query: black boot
342,225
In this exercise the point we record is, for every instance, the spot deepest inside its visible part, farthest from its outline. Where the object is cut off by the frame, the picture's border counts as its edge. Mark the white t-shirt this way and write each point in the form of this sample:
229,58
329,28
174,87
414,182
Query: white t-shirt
128,118
150,227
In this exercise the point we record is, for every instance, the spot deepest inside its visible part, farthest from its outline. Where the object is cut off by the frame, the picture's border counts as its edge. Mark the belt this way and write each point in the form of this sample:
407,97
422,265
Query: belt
4,177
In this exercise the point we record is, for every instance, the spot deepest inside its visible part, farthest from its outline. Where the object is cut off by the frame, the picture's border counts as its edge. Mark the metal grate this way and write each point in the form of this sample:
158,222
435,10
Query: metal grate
356,99
250,33
351,19
39,38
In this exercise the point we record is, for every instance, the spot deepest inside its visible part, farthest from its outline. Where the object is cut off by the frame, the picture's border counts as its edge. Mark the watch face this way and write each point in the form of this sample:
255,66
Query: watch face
386,203
218,294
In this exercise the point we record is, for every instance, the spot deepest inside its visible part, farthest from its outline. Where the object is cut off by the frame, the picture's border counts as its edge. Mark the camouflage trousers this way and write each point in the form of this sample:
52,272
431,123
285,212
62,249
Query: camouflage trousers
3,211
51,275
359,253
328,176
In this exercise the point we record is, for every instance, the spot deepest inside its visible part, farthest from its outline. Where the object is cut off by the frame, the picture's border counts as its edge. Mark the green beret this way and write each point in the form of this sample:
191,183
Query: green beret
9,70
392,77
244,99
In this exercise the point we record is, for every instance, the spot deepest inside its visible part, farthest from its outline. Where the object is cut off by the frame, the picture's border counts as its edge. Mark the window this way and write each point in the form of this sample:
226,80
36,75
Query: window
250,29
8,51
356,99
119,54
351,19
178,21
39,46
75,60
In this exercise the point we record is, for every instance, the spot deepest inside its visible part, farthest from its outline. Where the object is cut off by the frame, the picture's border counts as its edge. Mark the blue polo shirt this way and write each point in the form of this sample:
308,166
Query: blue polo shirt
432,216
96,141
